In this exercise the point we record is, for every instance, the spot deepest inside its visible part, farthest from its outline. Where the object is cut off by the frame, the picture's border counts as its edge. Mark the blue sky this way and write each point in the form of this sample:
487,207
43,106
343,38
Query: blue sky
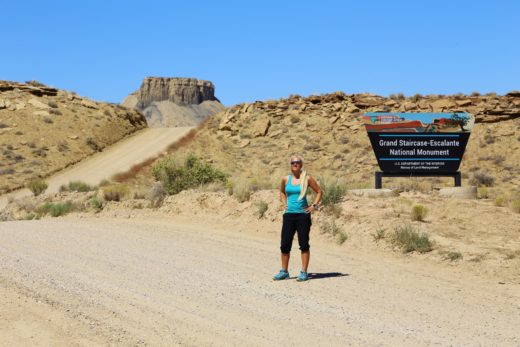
261,50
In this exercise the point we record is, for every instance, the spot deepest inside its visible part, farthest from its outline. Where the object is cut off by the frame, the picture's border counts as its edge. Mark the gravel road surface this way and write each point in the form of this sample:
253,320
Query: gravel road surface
161,282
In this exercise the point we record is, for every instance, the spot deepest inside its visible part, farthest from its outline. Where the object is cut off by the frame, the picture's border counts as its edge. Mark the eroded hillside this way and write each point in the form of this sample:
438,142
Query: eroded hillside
43,130
255,140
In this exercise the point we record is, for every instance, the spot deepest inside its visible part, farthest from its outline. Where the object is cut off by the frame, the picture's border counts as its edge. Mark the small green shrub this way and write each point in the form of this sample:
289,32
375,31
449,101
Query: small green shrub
192,173
419,213
515,206
96,203
330,227
341,237
482,178
241,191
333,192
261,209
409,240
37,186
157,194
29,216
76,186
55,209
115,192
500,200
482,193
452,256
379,234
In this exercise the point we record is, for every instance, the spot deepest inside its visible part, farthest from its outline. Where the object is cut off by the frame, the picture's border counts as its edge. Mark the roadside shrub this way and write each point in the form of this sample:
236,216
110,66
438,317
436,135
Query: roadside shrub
115,192
193,172
379,234
241,191
96,203
341,237
500,200
330,227
482,178
452,256
37,186
515,206
333,191
261,209
77,186
419,213
482,193
409,240
157,194
55,209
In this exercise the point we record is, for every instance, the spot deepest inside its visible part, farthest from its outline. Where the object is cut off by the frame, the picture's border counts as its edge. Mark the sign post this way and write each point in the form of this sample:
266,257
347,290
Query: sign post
418,144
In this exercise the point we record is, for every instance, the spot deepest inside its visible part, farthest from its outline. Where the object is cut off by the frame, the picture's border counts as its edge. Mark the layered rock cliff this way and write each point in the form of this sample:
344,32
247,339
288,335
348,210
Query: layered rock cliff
169,102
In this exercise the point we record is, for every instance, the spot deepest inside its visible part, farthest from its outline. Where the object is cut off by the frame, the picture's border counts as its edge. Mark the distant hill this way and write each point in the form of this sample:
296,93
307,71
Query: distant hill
171,102
43,130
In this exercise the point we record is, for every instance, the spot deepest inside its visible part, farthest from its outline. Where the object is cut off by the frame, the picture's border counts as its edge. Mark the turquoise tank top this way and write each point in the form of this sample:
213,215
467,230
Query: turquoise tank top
293,192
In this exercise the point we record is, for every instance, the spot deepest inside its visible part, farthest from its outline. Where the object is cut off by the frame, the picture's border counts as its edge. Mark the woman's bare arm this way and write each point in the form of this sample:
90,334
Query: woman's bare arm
283,196
316,187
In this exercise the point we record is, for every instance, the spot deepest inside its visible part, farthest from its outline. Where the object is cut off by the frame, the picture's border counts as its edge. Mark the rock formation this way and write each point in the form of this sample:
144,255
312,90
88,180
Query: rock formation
168,102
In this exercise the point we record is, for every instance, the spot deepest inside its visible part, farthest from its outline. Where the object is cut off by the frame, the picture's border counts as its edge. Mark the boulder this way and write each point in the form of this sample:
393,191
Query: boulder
459,192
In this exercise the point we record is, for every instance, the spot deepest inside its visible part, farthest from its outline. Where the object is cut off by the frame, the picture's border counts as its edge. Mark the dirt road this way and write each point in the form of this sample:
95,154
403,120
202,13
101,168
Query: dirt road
88,281
120,157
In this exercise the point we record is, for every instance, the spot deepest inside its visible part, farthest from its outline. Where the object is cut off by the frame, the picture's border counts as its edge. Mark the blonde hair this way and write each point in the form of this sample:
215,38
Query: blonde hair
304,179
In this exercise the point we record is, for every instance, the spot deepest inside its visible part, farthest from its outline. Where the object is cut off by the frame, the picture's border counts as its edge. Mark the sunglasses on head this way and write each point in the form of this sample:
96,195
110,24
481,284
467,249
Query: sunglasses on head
296,162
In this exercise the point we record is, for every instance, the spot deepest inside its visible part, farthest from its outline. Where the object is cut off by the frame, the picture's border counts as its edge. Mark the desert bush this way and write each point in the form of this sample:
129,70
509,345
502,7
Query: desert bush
63,146
93,144
330,227
482,178
333,191
104,182
482,193
409,240
341,237
261,209
515,205
157,194
419,212
379,234
241,191
29,216
416,97
193,172
37,186
115,192
77,186
96,203
52,104
55,209
500,200
453,256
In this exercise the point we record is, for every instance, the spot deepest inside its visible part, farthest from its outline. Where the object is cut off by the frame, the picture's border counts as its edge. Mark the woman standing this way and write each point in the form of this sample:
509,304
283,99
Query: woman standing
297,216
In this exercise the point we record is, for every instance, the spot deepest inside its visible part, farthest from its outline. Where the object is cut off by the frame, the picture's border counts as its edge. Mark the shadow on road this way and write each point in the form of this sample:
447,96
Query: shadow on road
317,276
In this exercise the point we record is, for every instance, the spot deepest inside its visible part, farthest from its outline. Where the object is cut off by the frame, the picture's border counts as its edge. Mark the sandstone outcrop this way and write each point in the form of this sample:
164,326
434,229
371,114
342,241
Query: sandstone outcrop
169,102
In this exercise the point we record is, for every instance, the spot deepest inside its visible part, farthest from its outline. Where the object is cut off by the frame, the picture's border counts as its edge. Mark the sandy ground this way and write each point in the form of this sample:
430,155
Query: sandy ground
162,281
120,157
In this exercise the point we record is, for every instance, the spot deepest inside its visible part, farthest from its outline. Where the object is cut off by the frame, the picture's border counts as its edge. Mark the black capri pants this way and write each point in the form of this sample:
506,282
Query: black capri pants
295,222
